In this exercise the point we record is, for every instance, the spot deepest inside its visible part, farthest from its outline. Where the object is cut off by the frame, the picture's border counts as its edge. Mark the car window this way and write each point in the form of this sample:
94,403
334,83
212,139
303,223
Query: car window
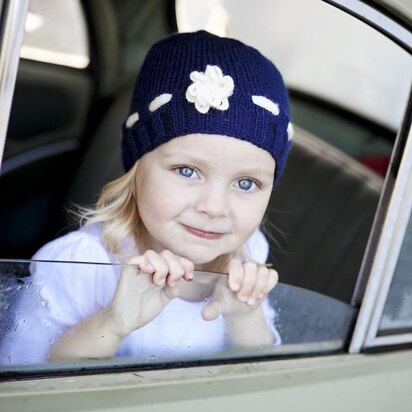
397,313
39,300
56,33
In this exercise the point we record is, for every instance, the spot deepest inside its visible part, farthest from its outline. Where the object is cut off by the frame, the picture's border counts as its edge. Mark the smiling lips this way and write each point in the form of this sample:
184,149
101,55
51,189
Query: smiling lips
202,233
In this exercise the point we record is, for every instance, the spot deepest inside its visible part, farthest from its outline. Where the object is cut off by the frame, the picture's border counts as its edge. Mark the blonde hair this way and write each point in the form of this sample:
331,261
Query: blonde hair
117,212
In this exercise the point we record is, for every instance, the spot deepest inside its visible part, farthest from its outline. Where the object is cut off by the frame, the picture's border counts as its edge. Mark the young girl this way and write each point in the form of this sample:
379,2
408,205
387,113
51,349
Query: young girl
207,136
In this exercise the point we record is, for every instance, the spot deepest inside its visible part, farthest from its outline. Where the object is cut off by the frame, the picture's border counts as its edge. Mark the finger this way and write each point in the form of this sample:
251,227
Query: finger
212,310
235,270
249,280
176,269
132,266
188,266
169,293
143,264
273,279
160,266
261,282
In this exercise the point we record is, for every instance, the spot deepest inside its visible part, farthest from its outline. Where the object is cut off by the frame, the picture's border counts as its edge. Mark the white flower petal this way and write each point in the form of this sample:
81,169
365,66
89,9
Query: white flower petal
197,76
192,89
214,73
228,85
224,104
189,97
202,108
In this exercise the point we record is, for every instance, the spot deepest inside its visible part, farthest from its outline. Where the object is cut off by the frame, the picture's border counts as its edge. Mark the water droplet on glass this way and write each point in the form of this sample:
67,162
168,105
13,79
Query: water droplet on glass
46,323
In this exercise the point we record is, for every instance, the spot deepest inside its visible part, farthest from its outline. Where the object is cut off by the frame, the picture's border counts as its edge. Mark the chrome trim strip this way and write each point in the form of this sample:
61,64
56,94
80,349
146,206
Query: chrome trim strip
398,339
14,17
376,19
386,257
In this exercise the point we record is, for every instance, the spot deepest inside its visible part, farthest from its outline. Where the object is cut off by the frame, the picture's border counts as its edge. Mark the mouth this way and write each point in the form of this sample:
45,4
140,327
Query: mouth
202,233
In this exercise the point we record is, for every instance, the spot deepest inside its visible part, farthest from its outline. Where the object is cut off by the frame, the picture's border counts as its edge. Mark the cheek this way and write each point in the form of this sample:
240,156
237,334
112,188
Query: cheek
249,214
161,204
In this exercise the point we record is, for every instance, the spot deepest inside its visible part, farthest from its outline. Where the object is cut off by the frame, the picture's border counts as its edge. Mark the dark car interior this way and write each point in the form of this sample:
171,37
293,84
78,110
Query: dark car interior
63,145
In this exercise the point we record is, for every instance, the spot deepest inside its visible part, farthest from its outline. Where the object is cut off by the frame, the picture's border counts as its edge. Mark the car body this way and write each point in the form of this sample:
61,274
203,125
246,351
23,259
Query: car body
343,207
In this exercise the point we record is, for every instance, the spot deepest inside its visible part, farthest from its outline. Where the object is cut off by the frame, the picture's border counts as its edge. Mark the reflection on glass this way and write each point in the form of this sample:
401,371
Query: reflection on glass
397,314
56,33
41,300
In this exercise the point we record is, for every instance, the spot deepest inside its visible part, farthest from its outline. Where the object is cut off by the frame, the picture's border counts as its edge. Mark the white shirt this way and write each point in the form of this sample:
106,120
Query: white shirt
59,295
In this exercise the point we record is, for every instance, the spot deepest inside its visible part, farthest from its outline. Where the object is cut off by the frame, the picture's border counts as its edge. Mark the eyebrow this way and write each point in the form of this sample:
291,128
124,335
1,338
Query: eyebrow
203,163
183,157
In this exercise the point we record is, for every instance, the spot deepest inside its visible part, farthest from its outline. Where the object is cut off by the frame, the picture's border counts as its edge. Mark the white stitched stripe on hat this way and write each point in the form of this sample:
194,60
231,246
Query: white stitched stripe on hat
132,119
290,131
267,104
159,101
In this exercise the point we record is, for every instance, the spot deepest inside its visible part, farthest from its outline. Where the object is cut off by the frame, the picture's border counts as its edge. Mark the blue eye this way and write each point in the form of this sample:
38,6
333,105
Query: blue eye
187,171
246,184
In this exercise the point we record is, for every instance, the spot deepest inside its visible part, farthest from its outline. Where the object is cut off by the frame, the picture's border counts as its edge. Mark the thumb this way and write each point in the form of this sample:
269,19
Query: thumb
168,293
212,310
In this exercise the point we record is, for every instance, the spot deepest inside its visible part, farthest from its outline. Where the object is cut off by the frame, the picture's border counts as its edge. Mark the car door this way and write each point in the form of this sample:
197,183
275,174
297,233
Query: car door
333,318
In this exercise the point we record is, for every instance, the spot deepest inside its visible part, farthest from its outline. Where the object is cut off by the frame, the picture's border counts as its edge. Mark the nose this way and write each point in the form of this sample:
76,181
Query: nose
212,200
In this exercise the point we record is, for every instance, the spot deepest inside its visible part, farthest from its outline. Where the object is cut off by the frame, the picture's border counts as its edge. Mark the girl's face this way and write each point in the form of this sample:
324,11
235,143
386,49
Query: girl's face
202,196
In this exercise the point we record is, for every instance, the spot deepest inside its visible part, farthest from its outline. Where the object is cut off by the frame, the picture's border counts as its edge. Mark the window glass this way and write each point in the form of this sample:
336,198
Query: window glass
397,313
56,33
329,61
41,300
346,116
138,30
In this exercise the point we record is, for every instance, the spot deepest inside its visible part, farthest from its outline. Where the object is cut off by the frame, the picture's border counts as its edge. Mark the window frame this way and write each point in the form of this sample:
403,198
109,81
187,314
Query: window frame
13,15
389,245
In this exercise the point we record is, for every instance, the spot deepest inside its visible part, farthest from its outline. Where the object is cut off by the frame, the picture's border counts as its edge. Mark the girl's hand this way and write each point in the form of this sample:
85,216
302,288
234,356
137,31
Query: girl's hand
242,291
146,286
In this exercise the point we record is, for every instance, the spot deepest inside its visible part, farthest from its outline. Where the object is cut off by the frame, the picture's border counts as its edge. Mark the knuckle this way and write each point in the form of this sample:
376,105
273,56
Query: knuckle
167,253
135,260
274,274
179,272
250,266
263,270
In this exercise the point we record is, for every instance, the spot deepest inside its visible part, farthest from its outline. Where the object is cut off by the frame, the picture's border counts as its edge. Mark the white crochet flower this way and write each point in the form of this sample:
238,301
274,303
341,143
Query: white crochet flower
210,89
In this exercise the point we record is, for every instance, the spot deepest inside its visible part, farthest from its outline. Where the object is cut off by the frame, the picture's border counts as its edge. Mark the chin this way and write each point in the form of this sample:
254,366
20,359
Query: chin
198,257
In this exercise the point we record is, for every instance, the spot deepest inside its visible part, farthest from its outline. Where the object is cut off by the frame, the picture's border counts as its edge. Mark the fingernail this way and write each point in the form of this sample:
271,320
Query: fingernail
251,301
236,287
190,276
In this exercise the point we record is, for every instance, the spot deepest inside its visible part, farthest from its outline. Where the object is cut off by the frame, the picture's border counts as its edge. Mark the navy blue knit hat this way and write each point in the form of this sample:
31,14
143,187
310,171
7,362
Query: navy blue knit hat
201,83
